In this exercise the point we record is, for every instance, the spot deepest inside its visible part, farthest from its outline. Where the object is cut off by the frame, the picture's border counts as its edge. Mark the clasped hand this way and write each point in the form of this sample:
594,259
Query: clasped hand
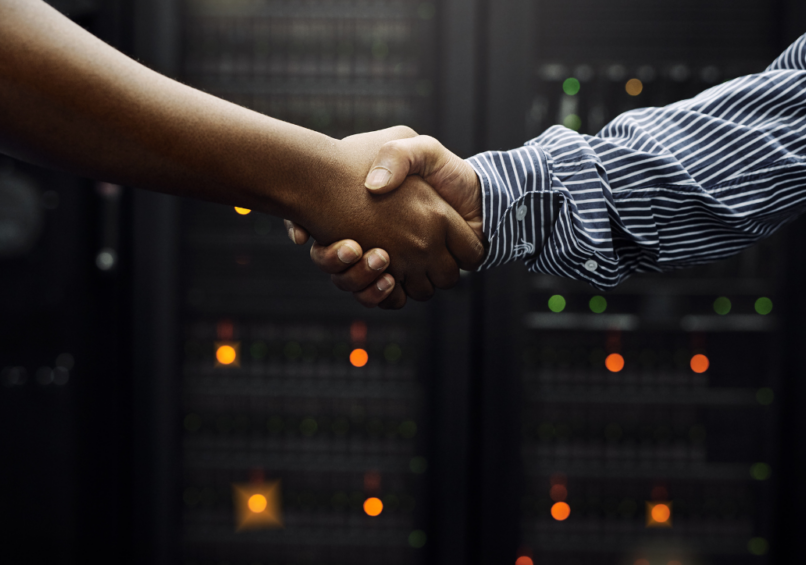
420,218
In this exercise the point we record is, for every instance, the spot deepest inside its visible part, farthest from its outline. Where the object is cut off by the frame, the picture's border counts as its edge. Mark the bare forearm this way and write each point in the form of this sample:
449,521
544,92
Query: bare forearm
69,101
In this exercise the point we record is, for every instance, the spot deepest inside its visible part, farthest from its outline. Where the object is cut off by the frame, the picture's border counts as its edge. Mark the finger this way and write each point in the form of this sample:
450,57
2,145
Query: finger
398,159
296,233
396,300
419,288
337,257
362,274
463,243
376,293
444,273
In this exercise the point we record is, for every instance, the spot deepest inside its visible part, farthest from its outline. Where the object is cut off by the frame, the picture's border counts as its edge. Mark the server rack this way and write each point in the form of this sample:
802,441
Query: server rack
170,443
612,444
297,409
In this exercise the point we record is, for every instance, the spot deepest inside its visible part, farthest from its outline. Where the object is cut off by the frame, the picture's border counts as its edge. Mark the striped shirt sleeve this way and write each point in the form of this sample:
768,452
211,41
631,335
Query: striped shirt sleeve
658,188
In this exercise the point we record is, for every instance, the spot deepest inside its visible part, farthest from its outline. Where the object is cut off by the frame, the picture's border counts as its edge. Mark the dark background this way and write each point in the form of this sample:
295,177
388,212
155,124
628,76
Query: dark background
102,365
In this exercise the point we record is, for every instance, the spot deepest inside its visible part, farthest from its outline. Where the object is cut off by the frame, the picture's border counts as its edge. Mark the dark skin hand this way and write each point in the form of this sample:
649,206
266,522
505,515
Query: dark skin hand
452,177
69,101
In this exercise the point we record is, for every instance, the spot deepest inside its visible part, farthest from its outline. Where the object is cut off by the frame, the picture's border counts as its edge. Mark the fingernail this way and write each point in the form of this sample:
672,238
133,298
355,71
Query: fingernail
347,253
292,235
376,261
377,178
385,283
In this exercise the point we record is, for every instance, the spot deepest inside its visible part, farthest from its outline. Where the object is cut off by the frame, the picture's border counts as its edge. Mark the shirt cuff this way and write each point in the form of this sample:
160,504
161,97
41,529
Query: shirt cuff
518,205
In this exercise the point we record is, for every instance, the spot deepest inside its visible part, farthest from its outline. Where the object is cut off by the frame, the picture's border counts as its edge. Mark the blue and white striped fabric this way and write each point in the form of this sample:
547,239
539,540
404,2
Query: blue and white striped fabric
657,188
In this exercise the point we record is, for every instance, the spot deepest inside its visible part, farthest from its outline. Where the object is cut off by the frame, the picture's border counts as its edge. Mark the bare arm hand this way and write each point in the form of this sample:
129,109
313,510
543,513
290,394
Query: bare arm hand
449,175
69,101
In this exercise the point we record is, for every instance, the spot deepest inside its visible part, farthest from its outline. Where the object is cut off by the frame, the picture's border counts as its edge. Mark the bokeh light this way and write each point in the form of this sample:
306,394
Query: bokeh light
560,511
257,503
373,506
700,363
758,546
760,471
765,396
572,121
571,86
763,305
661,513
558,493
359,357
557,303
614,362
524,560
598,304
242,211
417,539
634,87
226,355
722,305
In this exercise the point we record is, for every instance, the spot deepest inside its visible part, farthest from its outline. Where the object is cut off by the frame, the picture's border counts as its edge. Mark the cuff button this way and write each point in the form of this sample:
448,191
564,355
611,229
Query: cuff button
591,265
521,213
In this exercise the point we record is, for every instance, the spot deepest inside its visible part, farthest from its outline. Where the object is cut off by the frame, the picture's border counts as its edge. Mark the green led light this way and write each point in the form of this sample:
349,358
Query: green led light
758,546
571,86
763,305
408,429
572,121
417,539
308,427
765,396
418,465
722,305
760,471
259,350
293,350
598,304
556,303
393,353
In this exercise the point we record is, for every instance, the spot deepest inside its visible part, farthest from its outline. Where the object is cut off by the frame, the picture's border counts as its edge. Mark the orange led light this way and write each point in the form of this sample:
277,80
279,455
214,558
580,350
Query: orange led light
560,511
242,211
373,506
359,357
614,362
257,503
700,363
226,355
524,560
634,87
659,514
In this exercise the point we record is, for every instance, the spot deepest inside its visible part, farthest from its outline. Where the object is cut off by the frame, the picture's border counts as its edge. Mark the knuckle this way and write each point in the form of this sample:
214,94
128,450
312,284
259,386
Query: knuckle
404,131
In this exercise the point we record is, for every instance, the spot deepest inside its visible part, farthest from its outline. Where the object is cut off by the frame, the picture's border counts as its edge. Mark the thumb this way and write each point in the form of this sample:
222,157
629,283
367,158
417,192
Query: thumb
398,159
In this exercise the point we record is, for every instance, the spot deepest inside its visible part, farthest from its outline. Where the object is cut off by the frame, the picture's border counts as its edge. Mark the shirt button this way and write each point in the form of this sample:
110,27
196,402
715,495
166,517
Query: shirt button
591,265
521,213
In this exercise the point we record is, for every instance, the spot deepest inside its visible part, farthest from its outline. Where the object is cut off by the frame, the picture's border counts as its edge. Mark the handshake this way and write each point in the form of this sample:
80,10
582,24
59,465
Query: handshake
417,212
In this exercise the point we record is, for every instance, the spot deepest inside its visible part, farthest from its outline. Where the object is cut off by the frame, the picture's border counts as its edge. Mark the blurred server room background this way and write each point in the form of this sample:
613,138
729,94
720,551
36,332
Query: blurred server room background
181,385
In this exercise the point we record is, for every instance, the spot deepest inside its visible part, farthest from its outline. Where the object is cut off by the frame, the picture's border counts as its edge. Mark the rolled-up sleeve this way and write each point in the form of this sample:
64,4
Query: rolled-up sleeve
657,188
